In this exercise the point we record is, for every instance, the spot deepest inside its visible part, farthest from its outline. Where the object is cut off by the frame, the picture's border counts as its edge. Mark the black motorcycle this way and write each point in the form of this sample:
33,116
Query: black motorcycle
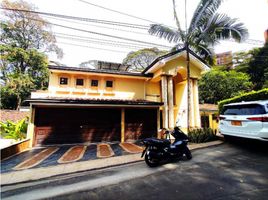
162,150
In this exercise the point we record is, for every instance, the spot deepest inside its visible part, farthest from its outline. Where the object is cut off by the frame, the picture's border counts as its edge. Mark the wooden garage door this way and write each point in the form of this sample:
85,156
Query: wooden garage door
75,125
140,123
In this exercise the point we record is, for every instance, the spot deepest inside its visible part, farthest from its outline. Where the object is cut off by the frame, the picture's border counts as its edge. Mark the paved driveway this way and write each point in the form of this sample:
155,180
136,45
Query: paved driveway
56,155
228,171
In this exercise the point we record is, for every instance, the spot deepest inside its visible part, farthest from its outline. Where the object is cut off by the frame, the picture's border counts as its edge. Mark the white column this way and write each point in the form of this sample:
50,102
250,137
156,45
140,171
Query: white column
192,116
165,101
196,103
170,103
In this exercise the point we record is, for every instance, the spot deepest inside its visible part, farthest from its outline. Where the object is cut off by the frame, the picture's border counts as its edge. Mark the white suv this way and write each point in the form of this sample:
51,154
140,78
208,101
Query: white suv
245,119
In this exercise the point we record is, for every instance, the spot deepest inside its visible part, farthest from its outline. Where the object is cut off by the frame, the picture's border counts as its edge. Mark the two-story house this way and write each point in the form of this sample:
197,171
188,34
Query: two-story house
92,105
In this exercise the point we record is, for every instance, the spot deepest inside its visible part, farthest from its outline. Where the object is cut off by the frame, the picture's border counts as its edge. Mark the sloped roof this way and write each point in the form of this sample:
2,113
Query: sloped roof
92,101
103,71
208,107
13,115
173,54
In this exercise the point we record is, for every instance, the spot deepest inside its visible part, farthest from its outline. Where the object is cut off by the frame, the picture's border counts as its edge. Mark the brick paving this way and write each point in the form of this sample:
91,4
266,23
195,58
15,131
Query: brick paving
36,159
50,167
131,148
51,156
73,154
104,151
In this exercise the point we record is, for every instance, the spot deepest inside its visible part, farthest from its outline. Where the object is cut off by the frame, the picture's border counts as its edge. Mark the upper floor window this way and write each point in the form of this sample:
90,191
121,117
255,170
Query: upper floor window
63,81
94,83
79,82
109,84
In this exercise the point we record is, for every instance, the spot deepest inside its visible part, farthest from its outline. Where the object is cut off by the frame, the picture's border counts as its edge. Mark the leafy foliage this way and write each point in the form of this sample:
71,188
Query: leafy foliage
207,27
22,71
139,60
217,85
254,63
17,86
26,30
201,135
250,96
25,37
11,130
258,67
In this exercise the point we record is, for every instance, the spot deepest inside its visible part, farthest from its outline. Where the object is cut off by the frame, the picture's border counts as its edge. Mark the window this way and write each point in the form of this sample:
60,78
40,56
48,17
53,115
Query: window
80,82
250,109
204,121
63,81
109,84
94,83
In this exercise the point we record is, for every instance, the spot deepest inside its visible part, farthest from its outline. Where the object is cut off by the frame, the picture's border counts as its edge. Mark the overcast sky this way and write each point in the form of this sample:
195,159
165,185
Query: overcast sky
253,13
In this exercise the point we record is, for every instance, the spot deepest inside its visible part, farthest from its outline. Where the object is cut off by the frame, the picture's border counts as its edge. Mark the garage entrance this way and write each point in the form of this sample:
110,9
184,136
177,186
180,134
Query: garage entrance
140,123
76,125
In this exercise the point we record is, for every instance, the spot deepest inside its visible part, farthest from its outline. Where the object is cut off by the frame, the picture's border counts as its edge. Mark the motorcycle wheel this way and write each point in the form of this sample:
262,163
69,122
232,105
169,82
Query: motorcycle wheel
150,161
188,153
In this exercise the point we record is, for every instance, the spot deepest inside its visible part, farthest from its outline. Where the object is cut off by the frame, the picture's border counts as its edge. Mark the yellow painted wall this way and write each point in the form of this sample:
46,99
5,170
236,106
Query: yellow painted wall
130,88
180,104
179,91
153,91
213,123
171,67
123,88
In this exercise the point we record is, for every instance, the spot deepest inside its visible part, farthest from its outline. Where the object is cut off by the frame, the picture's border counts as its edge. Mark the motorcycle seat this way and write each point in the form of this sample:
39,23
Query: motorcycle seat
158,141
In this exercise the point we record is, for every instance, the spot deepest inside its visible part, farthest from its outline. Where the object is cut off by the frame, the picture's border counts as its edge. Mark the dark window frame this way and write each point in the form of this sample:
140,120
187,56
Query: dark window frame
109,84
79,82
64,80
94,83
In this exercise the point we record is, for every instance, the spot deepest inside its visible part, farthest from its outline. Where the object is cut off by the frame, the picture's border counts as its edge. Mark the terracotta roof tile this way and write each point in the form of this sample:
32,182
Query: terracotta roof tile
208,107
73,100
13,115
103,71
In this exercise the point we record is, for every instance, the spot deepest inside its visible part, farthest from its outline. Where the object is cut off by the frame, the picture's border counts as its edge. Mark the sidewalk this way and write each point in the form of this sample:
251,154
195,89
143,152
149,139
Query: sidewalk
45,172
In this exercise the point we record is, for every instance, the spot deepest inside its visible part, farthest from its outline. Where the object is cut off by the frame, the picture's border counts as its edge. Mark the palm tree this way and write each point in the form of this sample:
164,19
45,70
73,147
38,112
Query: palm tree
205,30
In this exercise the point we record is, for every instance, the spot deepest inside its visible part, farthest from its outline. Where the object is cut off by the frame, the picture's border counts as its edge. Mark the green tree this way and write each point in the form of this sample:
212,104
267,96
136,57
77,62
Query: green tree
26,30
255,64
205,30
139,60
22,71
17,87
11,130
25,38
258,67
217,85
241,60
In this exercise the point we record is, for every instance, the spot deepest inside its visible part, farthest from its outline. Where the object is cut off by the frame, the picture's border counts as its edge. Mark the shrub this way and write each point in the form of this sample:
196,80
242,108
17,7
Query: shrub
250,96
200,135
16,131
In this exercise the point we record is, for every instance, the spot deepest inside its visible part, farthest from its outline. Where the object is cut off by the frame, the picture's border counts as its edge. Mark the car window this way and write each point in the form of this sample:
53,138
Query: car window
251,109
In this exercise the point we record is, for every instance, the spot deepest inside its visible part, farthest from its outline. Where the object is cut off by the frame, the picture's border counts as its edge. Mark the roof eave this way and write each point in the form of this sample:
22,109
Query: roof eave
115,73
160,61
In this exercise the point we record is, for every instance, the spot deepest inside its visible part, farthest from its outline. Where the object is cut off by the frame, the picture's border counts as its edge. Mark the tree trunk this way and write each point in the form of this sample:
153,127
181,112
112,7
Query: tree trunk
18,103
188,87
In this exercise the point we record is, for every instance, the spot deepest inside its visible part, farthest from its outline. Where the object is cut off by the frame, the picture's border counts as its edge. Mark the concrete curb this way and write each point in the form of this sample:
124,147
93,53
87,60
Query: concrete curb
45,172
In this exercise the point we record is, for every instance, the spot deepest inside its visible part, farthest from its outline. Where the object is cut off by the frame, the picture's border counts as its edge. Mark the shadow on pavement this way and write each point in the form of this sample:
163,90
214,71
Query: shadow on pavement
249,145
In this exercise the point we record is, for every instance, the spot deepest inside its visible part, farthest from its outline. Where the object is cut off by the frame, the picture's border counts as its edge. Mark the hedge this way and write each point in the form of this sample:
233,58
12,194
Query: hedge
250,96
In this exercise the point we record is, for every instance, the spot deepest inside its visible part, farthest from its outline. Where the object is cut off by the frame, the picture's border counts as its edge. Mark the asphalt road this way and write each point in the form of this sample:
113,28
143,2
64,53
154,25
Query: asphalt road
237,170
